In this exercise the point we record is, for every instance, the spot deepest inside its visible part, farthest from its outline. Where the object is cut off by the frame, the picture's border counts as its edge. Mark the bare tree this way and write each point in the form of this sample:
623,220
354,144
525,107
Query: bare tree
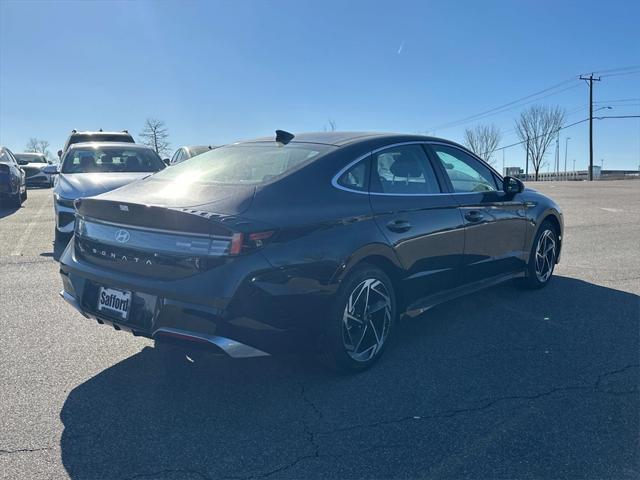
39,146
537,127
155,135
331,127
483,140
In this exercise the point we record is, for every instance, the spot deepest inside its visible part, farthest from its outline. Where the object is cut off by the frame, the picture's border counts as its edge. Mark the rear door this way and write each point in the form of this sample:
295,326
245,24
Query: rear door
420,220
495,222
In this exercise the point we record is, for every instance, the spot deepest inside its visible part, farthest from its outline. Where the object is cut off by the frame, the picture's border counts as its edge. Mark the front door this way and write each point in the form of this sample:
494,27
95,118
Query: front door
420,220
495,222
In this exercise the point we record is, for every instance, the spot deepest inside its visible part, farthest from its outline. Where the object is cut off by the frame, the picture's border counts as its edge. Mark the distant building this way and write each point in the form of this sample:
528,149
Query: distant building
513,172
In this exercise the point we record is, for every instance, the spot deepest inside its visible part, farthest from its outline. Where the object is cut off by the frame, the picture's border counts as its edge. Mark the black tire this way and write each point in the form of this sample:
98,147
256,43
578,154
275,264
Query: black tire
24,196
16,200
337,347
533,279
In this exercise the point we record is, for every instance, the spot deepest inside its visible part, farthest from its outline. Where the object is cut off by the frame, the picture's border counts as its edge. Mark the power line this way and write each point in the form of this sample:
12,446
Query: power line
635,72
564,127
619,69
501,107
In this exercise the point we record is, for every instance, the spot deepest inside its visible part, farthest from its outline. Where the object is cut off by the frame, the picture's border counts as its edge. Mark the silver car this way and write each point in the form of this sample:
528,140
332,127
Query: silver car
89,169
34,165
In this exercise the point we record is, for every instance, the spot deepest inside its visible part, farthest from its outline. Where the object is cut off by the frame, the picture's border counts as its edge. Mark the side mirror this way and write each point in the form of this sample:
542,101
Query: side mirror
50,169
59,153
512,185
166,161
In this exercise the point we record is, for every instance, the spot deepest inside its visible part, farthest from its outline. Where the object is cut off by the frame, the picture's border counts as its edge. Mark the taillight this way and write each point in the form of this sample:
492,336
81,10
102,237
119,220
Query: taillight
246,242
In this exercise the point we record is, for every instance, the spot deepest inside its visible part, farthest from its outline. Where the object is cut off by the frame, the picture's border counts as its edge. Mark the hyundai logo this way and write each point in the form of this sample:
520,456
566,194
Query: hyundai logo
122,236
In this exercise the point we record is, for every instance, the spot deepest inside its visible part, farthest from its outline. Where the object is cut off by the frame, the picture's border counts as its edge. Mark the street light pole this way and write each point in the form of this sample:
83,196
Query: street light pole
566,146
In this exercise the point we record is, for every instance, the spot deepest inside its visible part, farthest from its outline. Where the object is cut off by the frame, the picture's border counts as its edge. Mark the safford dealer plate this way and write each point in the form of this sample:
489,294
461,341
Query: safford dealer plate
115,302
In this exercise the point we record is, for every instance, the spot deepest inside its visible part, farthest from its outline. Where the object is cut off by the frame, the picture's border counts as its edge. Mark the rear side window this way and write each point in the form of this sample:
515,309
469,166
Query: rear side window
355,178
403,170
467,174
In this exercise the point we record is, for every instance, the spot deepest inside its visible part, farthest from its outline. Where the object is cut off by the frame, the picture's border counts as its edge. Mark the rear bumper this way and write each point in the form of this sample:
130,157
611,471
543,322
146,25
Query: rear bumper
231,347
244,309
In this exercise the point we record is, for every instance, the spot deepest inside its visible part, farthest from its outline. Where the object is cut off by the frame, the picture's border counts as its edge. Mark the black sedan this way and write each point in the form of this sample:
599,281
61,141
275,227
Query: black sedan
316,241
13,182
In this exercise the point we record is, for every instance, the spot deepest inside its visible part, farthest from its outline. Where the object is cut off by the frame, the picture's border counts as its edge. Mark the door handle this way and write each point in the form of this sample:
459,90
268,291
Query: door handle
398,226
474,216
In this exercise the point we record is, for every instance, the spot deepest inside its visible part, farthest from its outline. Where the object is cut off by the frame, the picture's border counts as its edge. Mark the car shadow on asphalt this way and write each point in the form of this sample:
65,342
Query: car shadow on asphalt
238,418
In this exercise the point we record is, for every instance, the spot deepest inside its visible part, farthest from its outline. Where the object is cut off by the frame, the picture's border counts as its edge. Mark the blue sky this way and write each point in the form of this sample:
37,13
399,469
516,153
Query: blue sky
216,72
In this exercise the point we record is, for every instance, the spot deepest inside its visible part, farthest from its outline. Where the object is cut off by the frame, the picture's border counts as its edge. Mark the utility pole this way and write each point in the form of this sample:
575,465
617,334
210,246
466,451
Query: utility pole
526,169
566,147
557,165
590,79
503,172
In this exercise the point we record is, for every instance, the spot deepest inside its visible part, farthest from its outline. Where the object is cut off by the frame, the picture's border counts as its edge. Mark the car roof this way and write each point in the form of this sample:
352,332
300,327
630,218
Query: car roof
100,132
339,139
108,144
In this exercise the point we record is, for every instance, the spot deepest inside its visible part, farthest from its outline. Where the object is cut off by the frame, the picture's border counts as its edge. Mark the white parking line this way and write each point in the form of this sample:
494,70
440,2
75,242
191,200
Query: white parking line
614,210
17,251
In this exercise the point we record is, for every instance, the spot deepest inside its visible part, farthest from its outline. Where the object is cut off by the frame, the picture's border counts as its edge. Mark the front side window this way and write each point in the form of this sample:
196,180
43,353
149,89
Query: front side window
403,170
111,160
248,164
467,174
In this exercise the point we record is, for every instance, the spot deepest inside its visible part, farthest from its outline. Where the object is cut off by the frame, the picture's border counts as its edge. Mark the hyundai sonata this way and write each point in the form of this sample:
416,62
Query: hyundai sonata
316,241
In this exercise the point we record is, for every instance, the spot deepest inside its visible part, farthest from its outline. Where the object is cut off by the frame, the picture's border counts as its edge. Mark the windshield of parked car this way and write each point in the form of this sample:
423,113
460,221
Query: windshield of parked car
245,163
111,159
24,158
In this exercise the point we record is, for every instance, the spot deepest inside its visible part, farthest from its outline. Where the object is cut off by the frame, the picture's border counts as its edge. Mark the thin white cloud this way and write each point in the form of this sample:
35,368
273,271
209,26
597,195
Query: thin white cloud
401,47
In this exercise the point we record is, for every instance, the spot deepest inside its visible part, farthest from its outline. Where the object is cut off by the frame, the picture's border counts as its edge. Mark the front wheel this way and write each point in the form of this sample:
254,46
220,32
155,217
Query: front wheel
17,199
542,259
361,320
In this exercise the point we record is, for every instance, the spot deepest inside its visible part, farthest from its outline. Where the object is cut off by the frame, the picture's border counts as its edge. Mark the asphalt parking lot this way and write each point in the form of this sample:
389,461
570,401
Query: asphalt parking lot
501,384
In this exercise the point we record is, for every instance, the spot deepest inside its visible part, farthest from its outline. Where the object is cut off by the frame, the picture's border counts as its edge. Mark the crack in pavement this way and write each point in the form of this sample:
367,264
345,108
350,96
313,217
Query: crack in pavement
24,450
595,388
170,471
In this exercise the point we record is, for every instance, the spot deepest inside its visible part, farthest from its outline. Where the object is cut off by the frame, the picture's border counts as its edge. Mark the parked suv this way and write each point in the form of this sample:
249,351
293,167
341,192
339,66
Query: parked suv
95,136
317,242
89,169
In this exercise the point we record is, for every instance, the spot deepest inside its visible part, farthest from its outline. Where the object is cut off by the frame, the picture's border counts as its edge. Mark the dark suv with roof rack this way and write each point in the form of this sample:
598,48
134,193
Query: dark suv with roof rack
315,242
95,136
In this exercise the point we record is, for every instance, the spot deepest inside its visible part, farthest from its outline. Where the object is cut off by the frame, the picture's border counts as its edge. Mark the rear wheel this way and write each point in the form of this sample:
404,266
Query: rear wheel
361,320
542,259
24,195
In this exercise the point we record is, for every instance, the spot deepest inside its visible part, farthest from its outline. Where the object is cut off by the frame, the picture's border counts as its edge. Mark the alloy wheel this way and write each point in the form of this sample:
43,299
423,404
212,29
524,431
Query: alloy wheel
545,255
366,320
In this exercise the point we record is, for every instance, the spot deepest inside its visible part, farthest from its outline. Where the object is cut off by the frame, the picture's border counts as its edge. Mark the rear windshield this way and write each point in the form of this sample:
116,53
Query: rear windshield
100,137
111,159
248,164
